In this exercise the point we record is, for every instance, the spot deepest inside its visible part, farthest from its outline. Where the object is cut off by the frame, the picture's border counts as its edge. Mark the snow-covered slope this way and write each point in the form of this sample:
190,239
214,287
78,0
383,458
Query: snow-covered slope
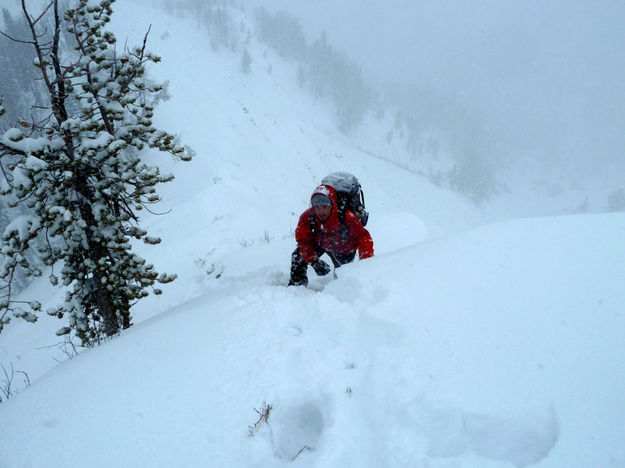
496,346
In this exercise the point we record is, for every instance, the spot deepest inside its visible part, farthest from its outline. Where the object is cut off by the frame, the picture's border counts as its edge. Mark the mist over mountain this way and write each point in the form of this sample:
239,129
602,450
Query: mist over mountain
508,80
517,101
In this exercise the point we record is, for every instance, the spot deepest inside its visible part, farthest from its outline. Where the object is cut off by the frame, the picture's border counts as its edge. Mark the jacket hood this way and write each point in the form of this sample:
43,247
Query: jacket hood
333,221
327,191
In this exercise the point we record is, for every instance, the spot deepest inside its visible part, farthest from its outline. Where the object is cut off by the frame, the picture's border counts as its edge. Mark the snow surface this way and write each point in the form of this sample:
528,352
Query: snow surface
458,345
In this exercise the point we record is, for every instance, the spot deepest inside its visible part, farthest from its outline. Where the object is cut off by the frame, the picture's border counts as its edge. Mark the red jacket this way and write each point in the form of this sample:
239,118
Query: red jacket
327,234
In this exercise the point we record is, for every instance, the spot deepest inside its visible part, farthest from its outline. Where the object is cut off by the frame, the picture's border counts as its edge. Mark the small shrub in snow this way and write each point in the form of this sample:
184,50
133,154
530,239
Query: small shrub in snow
263,418
616,200
7,386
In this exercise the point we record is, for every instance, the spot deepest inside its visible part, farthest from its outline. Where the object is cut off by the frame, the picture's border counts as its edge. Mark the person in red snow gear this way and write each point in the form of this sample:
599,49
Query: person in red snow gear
322,229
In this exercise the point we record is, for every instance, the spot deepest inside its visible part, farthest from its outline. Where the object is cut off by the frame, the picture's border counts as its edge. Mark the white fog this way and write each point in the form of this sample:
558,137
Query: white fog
545,76
508,80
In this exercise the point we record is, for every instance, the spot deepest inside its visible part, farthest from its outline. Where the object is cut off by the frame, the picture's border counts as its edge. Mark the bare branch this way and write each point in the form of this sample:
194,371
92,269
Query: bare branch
15,40
155,212
67,347
304,448
7,386
52,2
40,57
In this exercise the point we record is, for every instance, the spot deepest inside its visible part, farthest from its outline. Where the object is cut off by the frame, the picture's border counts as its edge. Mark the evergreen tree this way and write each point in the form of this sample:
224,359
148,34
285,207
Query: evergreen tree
246,61
332,74
221,28
301,77
318,58
81,177
616,200
283,32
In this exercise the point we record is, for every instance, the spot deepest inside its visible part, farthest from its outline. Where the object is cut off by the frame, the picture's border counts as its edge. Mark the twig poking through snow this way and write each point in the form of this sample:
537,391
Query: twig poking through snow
263,414
304,448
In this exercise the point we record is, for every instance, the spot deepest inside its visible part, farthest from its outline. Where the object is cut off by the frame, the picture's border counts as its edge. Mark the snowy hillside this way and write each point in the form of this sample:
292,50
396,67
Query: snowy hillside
458,344
499,347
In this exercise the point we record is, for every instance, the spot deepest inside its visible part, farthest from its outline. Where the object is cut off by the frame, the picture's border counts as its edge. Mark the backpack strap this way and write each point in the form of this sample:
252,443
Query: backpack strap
313,223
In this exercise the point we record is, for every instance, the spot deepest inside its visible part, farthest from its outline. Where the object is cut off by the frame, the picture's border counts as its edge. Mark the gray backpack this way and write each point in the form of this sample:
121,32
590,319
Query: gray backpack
349,194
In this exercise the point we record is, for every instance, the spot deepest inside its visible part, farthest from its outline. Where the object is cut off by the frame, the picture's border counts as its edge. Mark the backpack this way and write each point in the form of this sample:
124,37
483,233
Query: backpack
349,195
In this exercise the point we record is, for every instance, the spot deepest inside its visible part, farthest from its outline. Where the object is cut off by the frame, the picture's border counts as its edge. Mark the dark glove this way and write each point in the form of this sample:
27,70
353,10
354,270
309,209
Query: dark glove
321,267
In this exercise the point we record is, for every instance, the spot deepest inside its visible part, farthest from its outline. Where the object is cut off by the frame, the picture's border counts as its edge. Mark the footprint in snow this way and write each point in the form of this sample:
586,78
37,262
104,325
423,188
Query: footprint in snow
521,440
297,430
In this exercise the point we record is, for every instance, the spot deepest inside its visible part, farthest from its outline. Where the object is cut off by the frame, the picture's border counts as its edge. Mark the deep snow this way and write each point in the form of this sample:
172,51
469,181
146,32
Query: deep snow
459,344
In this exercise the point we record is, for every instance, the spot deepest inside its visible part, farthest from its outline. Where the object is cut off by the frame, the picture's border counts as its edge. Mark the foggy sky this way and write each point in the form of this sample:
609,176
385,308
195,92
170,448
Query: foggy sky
545,77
